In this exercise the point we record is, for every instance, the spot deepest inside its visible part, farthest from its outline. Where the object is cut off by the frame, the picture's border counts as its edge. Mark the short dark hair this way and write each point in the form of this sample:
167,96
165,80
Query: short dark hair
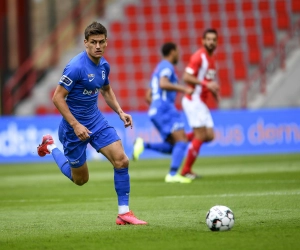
95,29
210,31
167,48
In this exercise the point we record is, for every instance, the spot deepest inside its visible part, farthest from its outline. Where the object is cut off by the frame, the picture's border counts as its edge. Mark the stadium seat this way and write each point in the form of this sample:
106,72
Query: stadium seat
131,11
199,25
249,22
232,23
296,6
240,72
216,24
180,9
164,10
41,110
247,6
196,8
213,7
230,7
147,11
263,5
267,23
254,55
283,21
281,6
116,27
268,38
182,26
235,39
225,83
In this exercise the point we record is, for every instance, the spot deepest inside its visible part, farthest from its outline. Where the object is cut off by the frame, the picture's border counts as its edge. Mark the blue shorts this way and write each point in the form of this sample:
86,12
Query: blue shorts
75,149
166,119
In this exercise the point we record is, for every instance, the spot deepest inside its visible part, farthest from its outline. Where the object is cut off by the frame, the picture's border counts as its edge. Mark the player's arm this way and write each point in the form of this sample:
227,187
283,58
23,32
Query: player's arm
191,79
111,100
165,84
148,96
59,101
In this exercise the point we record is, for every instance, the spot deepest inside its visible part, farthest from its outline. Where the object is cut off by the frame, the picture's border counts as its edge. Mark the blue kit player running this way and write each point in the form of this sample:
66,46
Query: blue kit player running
165,116
76,99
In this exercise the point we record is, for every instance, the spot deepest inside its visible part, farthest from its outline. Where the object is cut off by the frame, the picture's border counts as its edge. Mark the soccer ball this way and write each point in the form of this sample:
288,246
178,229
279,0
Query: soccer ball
220,218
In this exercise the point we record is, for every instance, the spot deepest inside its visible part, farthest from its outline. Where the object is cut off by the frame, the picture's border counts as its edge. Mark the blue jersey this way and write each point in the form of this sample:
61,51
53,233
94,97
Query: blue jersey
83,79
162,96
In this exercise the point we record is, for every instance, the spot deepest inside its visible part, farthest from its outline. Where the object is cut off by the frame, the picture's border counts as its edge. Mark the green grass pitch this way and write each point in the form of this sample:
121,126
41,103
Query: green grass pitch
42,209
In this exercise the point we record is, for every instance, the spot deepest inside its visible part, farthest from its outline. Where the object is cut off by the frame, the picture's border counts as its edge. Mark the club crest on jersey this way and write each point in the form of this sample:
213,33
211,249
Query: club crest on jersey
65,80
103,74
91,77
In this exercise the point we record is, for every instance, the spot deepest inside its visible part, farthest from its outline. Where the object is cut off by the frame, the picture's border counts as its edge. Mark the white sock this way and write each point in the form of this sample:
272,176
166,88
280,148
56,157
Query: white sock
123,209
51,147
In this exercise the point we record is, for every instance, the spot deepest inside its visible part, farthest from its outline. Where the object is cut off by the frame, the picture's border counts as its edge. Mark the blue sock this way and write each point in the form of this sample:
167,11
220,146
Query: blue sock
163,147
178,154
122,186
62,163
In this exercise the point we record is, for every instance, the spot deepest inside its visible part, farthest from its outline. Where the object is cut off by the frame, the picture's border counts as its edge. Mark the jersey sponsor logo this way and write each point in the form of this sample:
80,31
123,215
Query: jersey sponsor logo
90,92
103,74
65,80
210,74
91,77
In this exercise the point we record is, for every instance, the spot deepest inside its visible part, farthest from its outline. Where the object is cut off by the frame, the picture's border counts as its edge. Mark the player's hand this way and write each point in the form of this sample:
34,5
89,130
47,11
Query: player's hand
82,132
213,87
188,91
127,119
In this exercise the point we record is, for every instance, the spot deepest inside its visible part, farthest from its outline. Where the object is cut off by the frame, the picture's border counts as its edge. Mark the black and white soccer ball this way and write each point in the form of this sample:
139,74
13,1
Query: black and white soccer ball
220,218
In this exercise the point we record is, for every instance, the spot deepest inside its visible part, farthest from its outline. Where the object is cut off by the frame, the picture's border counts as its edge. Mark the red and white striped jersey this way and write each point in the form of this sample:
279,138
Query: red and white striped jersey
202,66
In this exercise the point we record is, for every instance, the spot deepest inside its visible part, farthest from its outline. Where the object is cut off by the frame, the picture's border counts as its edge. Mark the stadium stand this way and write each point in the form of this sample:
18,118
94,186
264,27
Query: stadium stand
249,30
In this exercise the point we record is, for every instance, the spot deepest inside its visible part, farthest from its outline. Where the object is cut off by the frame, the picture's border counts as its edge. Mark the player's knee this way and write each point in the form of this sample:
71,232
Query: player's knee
122,162
81,181
210,137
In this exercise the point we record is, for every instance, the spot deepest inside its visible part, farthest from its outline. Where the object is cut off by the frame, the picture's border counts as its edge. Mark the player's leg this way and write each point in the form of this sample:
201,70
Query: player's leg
178,154
48,147
114,152
140,145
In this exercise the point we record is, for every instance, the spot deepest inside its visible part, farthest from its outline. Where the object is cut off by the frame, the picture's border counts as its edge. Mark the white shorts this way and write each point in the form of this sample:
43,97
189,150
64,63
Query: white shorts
197,113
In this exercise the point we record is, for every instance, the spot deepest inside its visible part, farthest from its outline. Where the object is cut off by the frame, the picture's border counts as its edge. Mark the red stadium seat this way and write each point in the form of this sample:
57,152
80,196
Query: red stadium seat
268,38
147,11
117,43
233,23
131,10
150,27
141,92
249,22
281,6
116,27
166,26
240,72
252,40
151,42
247,6
41,110
254,55
138,76
180,9
197,8
235,39
225,83
199,25
213,7
135,43
283,21
263,5
216,24
133,27
238,57
230,7
164,10
296,6
183,26
184,41
267,23
137,59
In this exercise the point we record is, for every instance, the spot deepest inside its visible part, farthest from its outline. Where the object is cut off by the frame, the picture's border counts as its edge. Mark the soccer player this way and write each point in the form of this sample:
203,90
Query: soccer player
200,75
76,95
164,114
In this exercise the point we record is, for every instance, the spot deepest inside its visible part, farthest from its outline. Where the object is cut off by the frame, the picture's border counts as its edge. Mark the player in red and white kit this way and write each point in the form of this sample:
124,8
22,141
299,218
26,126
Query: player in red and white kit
200,74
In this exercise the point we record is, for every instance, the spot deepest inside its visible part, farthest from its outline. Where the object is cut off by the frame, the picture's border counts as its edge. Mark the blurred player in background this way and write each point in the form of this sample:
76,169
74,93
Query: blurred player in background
200,75
164,115
76,98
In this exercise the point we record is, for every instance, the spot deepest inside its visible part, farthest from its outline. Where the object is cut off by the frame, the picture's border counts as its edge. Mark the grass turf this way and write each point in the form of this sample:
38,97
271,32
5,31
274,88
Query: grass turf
41,209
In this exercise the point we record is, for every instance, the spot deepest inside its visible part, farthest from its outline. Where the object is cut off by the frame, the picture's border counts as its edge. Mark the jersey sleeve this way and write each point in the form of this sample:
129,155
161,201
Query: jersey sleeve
107,69
194,64
165,72
69,78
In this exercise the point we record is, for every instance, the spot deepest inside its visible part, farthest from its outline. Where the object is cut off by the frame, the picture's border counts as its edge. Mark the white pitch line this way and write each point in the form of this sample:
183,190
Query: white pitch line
297,192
